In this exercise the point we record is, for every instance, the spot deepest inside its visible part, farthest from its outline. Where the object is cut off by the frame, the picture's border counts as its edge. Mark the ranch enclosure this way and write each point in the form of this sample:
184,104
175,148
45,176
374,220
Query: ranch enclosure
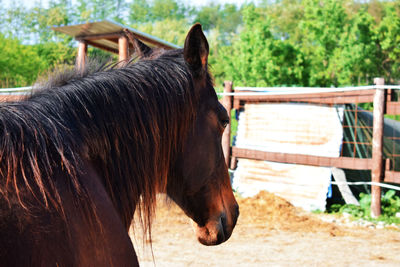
110,36
270,230
364,139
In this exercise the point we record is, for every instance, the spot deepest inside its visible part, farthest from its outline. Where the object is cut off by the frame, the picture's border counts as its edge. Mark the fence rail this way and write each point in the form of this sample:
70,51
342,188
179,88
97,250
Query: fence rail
382,97
16,90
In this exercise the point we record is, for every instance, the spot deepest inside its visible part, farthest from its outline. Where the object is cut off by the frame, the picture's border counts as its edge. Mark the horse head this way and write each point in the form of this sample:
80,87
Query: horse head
199,182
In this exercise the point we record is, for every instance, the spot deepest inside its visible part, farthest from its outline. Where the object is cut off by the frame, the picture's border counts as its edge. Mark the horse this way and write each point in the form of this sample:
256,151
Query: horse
90,148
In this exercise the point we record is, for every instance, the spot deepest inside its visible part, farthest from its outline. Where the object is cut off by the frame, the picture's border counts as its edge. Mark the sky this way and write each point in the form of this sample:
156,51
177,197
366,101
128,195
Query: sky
29,3
205,2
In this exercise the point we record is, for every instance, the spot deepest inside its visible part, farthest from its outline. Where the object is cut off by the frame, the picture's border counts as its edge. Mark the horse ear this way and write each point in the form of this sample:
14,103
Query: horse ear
195,51
140,48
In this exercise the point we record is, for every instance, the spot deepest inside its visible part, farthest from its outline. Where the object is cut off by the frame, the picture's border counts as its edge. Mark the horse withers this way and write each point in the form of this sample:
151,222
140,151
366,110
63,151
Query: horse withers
89,148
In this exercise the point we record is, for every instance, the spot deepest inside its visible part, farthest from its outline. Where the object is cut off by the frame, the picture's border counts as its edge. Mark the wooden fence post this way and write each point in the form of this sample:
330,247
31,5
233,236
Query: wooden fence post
123,48
377,144
226,137
82,55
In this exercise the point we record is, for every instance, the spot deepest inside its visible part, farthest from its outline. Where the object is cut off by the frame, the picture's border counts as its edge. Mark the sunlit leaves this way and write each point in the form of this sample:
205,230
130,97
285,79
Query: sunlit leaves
258,58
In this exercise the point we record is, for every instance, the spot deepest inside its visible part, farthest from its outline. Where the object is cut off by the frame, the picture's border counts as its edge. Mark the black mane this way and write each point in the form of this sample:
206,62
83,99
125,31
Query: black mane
112,118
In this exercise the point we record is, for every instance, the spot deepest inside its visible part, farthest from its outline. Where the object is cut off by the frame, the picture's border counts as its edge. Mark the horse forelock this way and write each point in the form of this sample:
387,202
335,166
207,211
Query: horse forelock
128,122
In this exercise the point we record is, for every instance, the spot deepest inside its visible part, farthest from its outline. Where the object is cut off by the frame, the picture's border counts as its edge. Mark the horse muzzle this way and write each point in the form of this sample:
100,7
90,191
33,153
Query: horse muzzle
216,231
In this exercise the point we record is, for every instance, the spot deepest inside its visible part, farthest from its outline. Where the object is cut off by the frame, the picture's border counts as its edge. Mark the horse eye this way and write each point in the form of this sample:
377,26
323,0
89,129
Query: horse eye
224,123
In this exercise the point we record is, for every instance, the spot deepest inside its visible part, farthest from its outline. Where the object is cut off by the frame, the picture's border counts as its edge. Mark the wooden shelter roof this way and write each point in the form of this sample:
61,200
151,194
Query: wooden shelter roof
105,34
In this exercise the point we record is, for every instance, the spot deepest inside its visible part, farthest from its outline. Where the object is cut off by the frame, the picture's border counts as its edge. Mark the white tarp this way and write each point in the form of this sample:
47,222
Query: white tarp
303,186
288,128
291,128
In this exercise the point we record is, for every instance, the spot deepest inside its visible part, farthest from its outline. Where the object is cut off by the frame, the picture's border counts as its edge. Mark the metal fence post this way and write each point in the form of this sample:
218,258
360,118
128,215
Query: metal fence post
377,144
226,137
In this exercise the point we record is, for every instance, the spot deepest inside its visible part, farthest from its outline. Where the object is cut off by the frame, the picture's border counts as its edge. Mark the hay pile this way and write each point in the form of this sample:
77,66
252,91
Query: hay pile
276,213
264,210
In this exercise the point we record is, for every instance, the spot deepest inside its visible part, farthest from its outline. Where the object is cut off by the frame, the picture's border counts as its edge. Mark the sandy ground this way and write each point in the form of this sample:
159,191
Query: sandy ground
269,232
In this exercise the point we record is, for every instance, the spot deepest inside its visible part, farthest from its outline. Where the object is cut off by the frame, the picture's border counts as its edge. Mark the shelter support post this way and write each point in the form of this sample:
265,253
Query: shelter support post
123,48
226,137
82,55
377,144
340,177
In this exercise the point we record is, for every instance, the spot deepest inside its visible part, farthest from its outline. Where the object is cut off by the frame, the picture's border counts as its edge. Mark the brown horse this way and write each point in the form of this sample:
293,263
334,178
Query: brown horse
80,155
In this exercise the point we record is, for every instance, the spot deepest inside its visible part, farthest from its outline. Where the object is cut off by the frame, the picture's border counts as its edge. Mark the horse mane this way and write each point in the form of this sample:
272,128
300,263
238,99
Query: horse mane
128,122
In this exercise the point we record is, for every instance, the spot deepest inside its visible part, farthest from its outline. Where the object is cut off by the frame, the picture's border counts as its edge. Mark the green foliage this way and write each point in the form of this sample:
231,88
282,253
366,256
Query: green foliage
54,54
224,18
170,30
257,58
157,10
19,64
95,10
390,205
388,34
271,43
163,9
358,54
320,43
321,28
141,11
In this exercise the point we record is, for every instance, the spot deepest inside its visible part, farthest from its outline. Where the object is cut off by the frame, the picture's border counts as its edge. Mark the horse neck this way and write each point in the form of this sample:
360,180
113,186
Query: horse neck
134,140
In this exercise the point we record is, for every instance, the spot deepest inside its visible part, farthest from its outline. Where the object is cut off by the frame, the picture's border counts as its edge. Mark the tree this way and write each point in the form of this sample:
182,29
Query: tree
388,33
157,10
14,22
19,64
40,19
356,60
292,42
139,12
285,18
170,30
321,29
257,58
226,18
167,9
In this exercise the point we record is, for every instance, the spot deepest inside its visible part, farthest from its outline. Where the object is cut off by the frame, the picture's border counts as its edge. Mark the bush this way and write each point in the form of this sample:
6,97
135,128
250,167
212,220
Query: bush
390,205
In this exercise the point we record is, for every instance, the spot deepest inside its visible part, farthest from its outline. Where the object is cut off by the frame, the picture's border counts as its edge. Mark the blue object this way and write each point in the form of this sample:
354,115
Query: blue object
329,194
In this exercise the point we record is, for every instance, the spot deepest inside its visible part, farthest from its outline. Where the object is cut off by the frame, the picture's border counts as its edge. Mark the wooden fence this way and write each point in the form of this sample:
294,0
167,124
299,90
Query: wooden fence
382,98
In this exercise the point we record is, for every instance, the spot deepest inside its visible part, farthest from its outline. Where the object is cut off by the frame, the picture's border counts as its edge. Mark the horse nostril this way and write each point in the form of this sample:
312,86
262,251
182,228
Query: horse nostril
236,210
222,235
235,213
223,220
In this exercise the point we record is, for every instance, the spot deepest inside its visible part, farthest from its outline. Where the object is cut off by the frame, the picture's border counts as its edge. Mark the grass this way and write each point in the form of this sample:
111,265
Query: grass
390,206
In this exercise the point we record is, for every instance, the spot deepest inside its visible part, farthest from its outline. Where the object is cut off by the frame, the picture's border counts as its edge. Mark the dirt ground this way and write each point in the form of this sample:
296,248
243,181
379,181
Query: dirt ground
269,232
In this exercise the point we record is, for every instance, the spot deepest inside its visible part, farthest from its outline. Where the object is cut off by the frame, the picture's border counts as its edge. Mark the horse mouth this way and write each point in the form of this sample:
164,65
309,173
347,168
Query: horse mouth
213,233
